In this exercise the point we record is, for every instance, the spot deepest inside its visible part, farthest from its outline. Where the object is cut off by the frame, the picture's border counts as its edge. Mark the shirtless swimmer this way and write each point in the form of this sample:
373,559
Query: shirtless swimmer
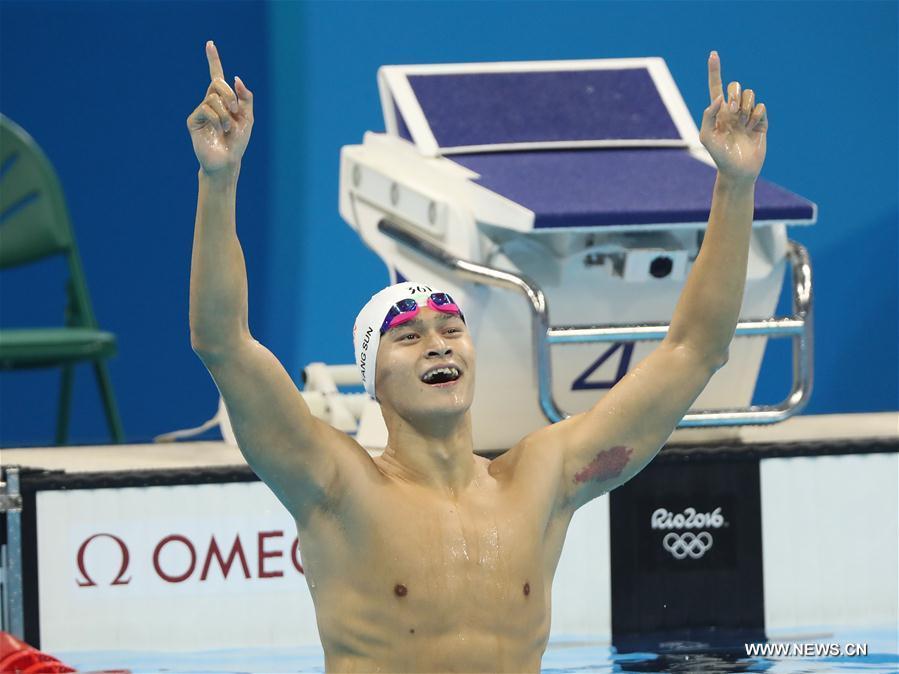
430,558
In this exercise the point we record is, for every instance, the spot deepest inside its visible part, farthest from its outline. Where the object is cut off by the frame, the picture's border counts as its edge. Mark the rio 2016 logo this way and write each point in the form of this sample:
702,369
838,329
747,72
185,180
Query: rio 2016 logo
682,543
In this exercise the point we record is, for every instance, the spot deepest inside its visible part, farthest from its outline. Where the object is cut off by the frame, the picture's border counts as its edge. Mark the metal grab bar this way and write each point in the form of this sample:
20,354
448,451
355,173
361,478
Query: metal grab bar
798,327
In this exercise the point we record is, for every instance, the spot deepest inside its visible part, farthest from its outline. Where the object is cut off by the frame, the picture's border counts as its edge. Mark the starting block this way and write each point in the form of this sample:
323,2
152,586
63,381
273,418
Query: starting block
580,186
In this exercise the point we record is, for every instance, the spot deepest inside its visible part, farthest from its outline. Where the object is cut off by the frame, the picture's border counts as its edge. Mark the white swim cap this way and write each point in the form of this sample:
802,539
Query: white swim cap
367,328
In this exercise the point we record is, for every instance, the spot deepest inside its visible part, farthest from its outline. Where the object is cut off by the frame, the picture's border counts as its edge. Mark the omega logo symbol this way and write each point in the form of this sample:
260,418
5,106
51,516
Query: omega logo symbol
119,580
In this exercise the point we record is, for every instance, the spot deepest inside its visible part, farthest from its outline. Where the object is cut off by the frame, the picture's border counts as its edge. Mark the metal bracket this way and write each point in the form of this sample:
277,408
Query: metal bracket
798,327
12,616
9,502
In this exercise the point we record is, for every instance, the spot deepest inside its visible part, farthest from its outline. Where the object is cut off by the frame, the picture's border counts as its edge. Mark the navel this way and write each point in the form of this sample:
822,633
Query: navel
400,590
526,589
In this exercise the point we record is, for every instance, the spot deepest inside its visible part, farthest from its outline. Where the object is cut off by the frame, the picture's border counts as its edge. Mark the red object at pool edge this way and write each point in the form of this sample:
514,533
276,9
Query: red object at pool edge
17,657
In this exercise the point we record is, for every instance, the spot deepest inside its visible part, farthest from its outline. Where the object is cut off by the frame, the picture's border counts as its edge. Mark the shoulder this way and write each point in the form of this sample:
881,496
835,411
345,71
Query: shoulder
533,457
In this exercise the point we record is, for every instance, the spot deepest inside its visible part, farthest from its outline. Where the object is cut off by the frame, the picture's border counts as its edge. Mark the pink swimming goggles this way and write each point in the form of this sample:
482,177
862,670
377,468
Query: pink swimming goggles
407,309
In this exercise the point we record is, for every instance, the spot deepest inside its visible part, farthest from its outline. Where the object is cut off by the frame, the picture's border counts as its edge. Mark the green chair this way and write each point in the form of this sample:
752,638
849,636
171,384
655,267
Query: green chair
34,224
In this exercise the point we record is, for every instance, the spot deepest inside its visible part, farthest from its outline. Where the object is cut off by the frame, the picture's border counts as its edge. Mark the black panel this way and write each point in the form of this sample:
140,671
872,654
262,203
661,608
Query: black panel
686,547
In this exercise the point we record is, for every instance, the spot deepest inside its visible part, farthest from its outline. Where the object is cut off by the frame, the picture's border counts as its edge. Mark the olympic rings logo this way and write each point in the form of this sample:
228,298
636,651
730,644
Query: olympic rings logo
688,544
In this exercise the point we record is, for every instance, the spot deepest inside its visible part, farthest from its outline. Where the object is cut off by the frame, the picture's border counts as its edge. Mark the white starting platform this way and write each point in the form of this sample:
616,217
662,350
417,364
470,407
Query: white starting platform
562,204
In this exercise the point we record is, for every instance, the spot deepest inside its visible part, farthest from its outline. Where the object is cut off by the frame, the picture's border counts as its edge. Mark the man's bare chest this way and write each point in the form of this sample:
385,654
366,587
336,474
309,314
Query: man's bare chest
483,550
482,554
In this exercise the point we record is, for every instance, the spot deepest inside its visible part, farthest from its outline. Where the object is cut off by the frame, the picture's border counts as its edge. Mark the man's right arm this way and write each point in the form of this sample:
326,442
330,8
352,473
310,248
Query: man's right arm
306,462
296,454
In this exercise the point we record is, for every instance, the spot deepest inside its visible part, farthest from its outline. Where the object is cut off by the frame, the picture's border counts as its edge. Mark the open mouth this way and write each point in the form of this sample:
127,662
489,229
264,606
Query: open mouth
441,375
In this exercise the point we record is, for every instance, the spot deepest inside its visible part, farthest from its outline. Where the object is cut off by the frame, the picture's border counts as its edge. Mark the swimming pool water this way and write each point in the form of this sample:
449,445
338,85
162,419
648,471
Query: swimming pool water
564,654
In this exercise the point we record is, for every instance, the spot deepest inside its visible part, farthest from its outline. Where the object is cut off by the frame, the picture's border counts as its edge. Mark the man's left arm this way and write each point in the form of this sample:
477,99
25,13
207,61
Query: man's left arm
607,445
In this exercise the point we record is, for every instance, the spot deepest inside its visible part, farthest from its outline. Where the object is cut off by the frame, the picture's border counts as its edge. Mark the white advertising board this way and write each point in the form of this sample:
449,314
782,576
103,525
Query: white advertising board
170,568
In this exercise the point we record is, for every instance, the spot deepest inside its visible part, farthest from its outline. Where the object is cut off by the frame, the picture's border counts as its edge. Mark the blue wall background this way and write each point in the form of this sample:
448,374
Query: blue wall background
106,88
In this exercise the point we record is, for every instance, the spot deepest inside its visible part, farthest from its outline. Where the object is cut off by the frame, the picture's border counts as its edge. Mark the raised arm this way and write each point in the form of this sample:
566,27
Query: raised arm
597,450
302,459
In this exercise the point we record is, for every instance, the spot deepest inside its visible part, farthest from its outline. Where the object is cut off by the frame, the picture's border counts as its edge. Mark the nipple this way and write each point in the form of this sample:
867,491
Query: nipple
400,590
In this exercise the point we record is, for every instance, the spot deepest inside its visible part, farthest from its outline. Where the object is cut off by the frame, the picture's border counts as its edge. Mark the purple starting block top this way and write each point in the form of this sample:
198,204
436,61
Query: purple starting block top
465,109
584,187
615,187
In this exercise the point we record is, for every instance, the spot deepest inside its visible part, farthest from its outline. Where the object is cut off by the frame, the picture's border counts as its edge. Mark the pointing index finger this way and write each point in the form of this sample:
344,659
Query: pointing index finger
215,63
715,89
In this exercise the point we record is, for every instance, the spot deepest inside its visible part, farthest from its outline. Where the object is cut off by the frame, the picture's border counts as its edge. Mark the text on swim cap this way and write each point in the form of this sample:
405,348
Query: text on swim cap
365,341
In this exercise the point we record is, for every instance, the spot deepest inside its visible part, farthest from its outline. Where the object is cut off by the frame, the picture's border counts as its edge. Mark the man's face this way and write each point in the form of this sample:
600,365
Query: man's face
425,367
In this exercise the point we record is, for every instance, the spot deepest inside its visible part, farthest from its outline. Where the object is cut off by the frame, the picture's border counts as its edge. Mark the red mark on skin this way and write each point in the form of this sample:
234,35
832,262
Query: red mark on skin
400,590
607,464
